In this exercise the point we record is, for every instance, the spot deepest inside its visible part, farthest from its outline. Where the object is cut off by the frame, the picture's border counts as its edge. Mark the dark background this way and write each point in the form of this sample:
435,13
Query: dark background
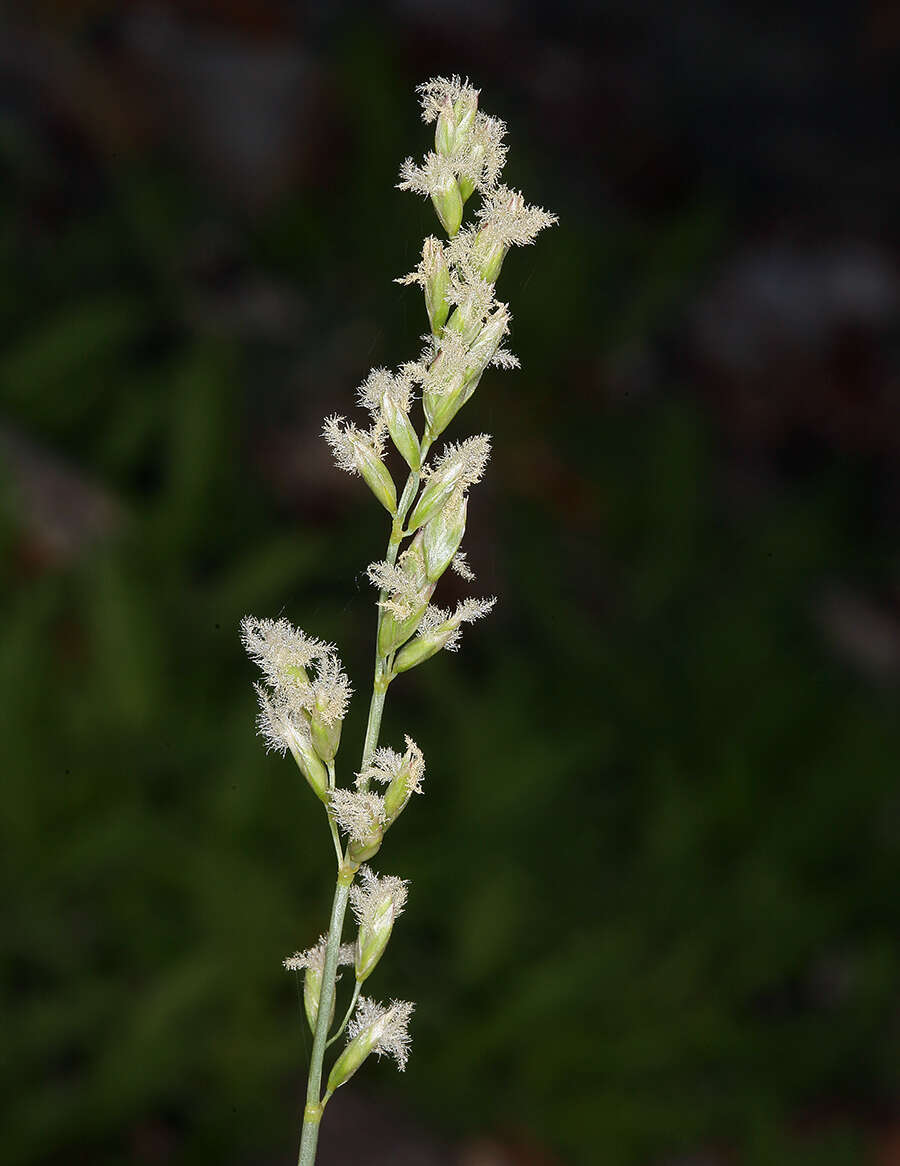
654,908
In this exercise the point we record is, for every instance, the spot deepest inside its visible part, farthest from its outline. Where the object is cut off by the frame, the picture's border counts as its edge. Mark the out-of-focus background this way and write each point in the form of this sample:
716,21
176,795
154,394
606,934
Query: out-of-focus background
654,913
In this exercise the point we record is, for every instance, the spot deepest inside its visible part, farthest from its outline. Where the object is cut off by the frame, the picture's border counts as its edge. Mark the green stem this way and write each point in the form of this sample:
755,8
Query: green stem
313,1112
347,1015
331,823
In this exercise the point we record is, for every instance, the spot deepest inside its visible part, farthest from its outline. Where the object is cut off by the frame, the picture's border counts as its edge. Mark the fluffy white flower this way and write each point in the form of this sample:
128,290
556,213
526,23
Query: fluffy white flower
373,893
387,1028
358,813
438,621
387,764
282,651
314,957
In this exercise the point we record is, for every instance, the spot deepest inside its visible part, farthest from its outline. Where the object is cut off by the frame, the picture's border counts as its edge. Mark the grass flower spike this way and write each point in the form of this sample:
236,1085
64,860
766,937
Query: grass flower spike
303,692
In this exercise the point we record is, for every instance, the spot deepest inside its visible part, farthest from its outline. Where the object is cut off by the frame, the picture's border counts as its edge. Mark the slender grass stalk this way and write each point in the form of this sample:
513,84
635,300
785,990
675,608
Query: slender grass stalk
304,692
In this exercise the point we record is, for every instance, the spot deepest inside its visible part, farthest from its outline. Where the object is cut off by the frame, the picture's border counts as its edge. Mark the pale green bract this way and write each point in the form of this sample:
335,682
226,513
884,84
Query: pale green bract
303,693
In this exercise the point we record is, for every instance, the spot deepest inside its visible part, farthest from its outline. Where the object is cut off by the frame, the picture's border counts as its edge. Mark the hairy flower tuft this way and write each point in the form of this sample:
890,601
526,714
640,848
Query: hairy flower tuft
402,591
387,1028
438,622
381,384
459,564
434,178
466,460
510,221
350,445
374,893
282,721
435,93
358,813
314,957
282,651
387,764
330,692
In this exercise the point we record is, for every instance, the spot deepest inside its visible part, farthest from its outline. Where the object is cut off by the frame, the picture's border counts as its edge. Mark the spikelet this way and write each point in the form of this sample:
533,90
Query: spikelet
373,1029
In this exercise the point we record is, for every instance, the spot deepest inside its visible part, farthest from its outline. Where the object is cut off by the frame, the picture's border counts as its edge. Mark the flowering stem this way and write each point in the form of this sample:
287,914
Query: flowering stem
346,872
313,1112
304,694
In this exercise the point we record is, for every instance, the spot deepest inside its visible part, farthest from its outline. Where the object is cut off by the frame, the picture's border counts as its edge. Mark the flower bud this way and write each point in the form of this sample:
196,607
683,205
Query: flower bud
312,990
376,475
352,1058
310,765
402,434
448,383
439,629
448,204
326,735
455,122
377,902
443,534
398,793
374,1029
441,409
313,961
363,851
475,166
422,648
373,940
438,489
436,283
394,630
488,255
486,343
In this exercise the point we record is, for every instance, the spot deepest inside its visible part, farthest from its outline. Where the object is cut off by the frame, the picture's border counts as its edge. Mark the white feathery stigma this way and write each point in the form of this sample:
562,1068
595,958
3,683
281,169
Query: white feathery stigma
314,957
282,721
472,454
330,692
282,652
435,93
402,592
373,893
381,383
439,621
387,763
509,220
459,564
358,813
434,177
387,1027
347,441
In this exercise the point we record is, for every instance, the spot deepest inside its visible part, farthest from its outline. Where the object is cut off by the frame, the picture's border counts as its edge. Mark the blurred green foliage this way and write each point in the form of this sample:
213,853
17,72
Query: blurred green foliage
654,877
